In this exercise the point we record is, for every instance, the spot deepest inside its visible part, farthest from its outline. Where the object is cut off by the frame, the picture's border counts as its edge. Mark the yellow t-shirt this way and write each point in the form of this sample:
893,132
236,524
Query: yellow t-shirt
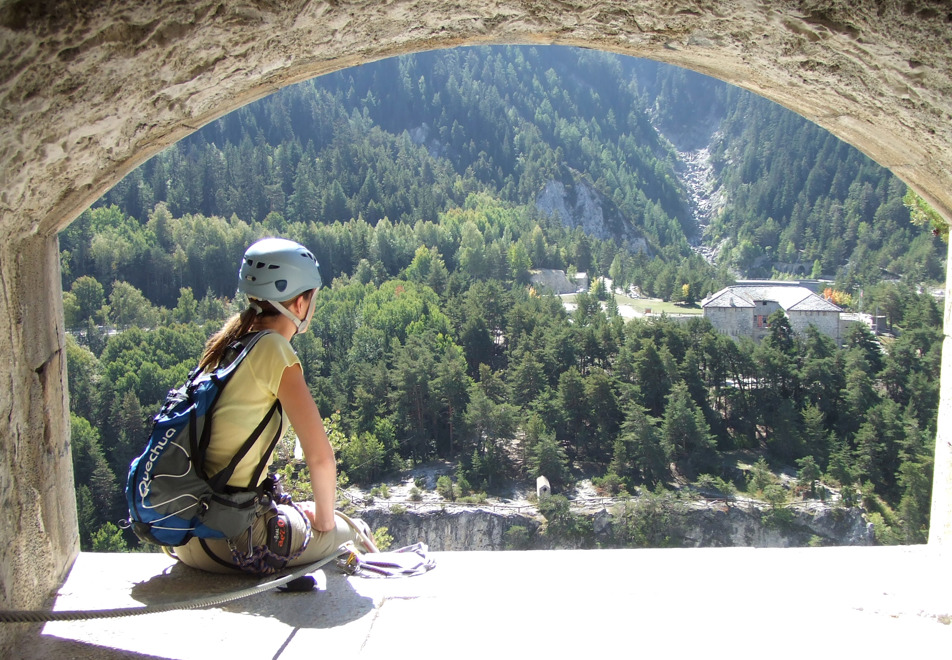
246,400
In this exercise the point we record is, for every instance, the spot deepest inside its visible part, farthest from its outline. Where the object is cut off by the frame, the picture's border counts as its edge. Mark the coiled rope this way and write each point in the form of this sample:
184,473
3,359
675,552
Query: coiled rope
42,616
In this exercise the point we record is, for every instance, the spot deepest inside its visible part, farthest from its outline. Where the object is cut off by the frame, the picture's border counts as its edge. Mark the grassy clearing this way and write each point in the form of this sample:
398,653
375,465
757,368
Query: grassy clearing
641,305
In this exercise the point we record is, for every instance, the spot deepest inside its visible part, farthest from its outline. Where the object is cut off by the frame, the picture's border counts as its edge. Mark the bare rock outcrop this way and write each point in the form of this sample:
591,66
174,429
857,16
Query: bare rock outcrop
578,204
450,529
696,525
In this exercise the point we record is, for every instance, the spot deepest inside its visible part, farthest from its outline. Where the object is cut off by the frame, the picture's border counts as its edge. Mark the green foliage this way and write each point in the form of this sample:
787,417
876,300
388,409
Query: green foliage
638,454
517,537
775,495
760,477
915,503
707,483
808,472
834,212
848,496
362,457
648,521
90,466
108,538
86,298
86,515
684,429
382,538
883,532
463,485
923,215
610,484
547,459
380,491
562,525
444,488
296,479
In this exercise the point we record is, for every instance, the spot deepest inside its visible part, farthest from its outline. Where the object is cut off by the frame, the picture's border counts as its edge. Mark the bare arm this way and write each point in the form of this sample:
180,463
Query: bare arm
318,454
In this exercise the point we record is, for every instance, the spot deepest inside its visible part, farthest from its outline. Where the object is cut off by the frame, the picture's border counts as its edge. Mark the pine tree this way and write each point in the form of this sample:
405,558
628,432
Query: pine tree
644,457
548,459
684,430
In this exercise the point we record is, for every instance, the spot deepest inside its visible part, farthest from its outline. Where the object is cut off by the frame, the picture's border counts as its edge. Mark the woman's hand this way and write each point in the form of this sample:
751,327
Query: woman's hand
308,509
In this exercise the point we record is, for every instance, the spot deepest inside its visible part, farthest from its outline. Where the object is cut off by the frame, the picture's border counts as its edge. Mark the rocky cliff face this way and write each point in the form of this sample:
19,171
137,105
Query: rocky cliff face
577,204
453,528
694,525
756,525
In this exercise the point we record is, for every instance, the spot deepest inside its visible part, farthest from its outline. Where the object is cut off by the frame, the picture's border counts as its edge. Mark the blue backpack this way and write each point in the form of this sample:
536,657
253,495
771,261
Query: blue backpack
170,497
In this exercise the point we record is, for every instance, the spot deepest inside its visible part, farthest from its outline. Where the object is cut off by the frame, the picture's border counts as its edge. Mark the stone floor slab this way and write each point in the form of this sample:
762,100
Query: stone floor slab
781,603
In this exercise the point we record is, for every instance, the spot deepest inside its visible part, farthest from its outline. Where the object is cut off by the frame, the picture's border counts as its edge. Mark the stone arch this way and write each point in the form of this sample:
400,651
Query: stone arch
90,90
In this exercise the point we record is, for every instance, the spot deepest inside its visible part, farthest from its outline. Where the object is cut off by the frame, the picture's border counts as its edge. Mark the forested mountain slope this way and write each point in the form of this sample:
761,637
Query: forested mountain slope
407,137
421,184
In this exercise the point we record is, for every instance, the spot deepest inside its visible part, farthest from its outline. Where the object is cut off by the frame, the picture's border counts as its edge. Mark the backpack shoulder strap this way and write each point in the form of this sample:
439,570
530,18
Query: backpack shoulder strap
237,350
219,481
241,347
263,463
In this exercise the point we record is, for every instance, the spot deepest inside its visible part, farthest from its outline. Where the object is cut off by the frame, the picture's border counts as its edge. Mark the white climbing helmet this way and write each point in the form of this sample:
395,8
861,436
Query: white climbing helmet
276,269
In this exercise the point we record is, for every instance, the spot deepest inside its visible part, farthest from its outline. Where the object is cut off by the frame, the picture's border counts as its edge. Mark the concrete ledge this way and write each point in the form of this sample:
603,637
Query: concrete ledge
841,602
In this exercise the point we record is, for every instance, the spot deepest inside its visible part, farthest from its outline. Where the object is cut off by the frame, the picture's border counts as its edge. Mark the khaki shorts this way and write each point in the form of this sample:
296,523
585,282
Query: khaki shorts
215,555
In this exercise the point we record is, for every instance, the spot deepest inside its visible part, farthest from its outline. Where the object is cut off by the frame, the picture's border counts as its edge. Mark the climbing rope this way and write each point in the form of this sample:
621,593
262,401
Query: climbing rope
369,545
41,616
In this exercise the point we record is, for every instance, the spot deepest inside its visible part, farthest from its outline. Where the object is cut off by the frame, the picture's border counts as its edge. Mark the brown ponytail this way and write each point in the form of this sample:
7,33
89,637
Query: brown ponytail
235,327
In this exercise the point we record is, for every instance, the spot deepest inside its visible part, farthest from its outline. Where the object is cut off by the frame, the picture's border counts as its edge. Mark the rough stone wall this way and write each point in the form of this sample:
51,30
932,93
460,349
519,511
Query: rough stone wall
553,281
826,322
38,531
91,88
763,308
733,321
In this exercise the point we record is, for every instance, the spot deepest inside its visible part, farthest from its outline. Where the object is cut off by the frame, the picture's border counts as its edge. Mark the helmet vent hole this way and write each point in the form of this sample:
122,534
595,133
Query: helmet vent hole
273,267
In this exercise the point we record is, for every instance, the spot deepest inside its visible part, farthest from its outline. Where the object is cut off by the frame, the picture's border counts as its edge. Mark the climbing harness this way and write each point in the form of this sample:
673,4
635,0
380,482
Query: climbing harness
275,554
